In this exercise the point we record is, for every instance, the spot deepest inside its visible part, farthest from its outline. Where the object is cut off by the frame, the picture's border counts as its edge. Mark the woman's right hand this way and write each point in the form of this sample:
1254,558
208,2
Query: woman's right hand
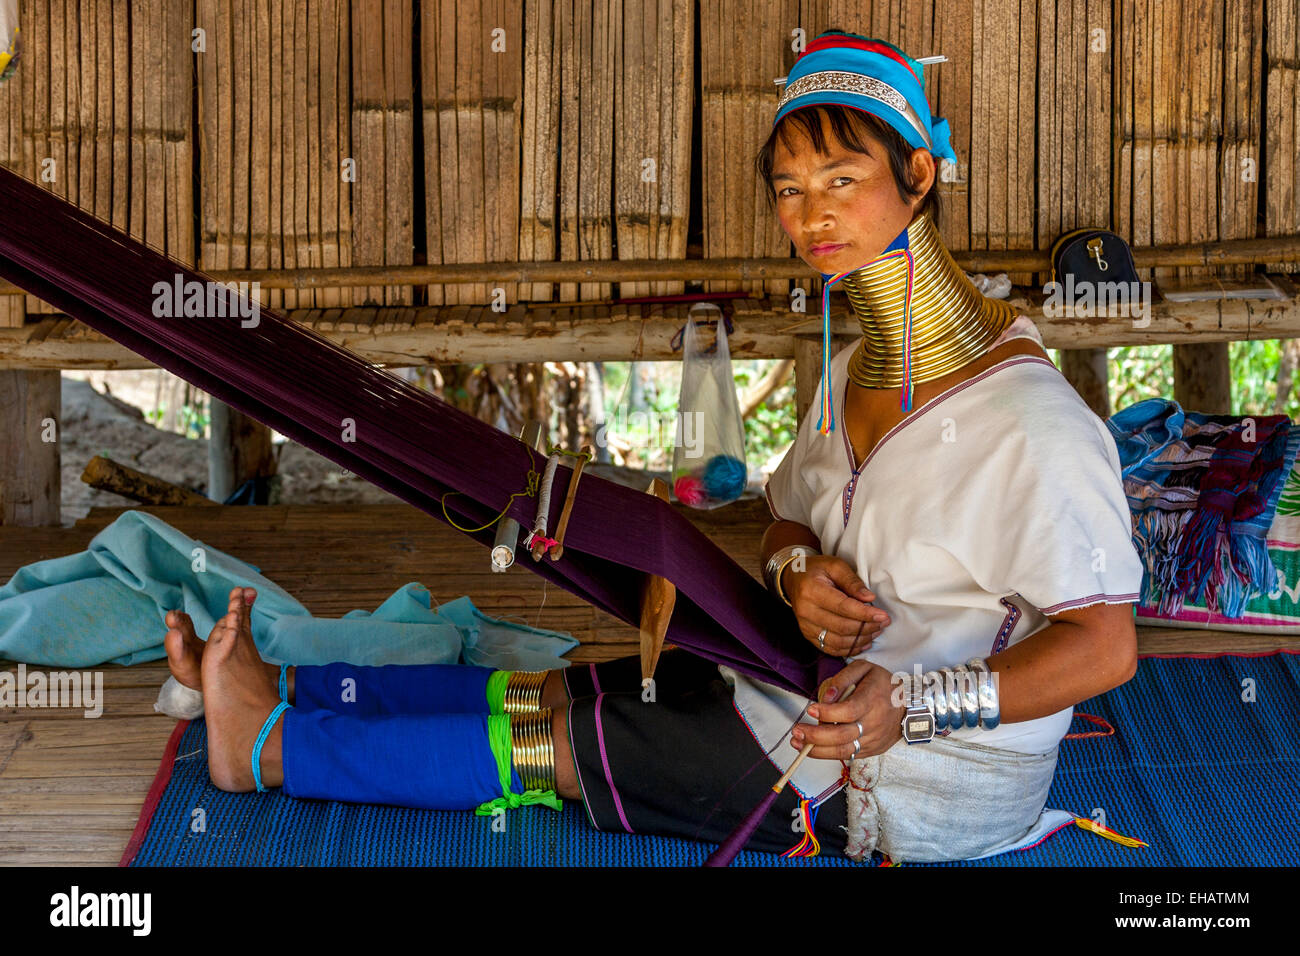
828,594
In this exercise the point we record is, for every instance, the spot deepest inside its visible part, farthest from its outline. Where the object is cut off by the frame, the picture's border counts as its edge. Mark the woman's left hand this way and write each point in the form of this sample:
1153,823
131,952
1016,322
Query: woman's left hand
870,704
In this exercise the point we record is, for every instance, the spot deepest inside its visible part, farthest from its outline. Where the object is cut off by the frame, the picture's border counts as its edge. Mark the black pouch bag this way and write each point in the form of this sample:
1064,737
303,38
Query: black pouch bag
1092,255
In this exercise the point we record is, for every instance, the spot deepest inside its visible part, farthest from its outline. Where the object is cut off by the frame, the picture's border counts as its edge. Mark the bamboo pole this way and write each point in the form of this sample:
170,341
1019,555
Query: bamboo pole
1281,249
435,335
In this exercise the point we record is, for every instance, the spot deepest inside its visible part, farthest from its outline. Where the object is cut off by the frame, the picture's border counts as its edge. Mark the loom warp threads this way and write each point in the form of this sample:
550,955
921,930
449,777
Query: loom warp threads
722,479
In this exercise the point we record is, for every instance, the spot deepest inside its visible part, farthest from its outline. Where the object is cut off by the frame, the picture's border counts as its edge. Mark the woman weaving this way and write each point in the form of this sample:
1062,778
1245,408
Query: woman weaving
968,519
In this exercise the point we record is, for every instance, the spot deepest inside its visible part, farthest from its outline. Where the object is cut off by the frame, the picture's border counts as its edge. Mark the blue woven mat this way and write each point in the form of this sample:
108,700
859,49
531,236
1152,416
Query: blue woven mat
1203,776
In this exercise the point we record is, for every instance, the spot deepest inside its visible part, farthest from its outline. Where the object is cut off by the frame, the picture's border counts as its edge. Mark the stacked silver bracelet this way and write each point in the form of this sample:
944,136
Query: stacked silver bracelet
963,696
777,562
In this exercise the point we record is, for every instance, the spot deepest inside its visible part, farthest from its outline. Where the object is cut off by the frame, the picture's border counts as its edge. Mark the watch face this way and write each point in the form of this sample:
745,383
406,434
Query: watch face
918,727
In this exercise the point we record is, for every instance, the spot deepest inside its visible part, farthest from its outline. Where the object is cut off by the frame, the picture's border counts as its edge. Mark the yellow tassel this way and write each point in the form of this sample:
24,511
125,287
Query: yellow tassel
1092,826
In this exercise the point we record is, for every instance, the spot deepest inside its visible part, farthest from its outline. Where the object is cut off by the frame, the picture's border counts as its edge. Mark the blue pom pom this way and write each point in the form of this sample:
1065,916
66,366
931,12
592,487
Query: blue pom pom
725,478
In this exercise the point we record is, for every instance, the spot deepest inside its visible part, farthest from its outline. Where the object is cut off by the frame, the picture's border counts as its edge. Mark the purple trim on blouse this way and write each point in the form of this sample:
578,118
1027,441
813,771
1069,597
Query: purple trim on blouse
1090,599
595,681
942,396
848,448
847,497
604,760
768,495
1008,625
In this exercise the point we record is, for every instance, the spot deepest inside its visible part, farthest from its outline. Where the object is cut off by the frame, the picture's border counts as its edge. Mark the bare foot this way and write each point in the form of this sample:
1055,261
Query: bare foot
185,650
239,693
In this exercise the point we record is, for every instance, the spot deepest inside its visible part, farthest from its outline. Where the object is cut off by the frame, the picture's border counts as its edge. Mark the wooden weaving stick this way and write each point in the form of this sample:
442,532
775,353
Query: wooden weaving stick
586,454
658,595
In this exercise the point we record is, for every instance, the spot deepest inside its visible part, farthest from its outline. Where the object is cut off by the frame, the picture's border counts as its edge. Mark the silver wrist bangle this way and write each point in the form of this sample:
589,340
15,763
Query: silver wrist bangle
952,697
777,562
968,695
990,708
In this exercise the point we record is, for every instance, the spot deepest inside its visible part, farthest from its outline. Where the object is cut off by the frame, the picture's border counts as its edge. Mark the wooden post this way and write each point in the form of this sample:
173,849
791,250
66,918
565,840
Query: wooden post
1088,370
239,448
1202,378
30,487
808,369
807,373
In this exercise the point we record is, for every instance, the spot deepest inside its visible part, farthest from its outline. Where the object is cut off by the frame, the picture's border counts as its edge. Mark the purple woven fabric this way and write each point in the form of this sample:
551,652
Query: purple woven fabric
407,441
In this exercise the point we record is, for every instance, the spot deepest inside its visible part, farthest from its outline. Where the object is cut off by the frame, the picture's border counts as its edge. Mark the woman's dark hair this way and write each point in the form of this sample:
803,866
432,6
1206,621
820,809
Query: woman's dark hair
847,126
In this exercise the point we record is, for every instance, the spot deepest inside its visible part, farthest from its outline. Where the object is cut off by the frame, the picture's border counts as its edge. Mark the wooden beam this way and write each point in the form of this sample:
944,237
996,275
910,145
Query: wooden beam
425,336
1282,249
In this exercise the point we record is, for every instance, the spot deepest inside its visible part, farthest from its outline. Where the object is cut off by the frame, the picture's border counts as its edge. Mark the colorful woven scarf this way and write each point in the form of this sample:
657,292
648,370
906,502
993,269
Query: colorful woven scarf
1203,490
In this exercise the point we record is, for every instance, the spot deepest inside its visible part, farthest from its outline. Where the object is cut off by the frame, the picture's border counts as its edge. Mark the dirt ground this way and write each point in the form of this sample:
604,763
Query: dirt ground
102,414
114,425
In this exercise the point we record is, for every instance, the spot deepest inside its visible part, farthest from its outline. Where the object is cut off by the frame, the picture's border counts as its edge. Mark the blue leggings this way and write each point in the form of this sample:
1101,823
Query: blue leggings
392,689
409,736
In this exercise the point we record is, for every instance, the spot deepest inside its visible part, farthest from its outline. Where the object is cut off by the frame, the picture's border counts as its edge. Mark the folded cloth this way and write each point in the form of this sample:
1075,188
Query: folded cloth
1203,490
109,603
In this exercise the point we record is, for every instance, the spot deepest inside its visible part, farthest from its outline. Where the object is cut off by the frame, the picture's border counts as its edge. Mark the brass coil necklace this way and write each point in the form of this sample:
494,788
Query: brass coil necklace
918,285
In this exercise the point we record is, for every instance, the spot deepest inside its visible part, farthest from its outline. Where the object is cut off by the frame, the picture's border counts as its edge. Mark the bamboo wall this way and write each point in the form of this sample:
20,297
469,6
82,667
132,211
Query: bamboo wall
578,130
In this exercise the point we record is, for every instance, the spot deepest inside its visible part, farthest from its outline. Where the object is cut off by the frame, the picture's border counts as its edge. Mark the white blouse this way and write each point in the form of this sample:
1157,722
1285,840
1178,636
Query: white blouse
991,506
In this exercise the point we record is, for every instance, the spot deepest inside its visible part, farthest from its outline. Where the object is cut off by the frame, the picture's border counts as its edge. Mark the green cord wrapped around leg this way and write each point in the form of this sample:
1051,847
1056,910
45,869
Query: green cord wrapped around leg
536,760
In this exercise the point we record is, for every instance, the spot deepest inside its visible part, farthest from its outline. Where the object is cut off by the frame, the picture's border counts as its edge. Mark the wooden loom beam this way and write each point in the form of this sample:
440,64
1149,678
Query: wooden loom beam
1280,249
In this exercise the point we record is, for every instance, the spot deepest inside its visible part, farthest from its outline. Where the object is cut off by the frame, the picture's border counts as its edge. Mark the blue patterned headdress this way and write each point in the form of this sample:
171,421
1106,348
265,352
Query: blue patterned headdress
871,75
862,73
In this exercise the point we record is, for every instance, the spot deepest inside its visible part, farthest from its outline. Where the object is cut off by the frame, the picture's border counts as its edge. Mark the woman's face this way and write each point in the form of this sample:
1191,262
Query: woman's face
841,210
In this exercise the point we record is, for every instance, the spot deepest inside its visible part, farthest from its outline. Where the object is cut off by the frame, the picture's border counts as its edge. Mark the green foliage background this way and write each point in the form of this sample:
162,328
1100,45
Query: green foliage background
1146,371
1136,373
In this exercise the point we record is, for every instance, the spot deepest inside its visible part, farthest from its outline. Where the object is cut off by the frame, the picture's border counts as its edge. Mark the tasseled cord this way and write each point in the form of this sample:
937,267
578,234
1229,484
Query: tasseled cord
826,419
1092,826
808,846
735,842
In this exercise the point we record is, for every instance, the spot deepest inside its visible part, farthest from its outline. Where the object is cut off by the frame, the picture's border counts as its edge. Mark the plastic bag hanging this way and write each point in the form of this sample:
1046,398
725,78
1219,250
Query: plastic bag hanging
709,466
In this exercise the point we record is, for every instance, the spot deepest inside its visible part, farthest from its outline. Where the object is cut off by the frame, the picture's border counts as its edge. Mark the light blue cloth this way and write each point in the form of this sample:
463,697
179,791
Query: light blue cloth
109,603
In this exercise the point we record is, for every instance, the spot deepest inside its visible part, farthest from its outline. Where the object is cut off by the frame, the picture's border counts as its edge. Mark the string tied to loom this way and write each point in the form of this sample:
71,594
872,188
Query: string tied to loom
538,486
534,482
530,490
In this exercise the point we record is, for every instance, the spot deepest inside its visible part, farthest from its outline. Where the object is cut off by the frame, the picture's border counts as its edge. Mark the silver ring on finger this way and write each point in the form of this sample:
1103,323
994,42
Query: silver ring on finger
857,745
821,639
